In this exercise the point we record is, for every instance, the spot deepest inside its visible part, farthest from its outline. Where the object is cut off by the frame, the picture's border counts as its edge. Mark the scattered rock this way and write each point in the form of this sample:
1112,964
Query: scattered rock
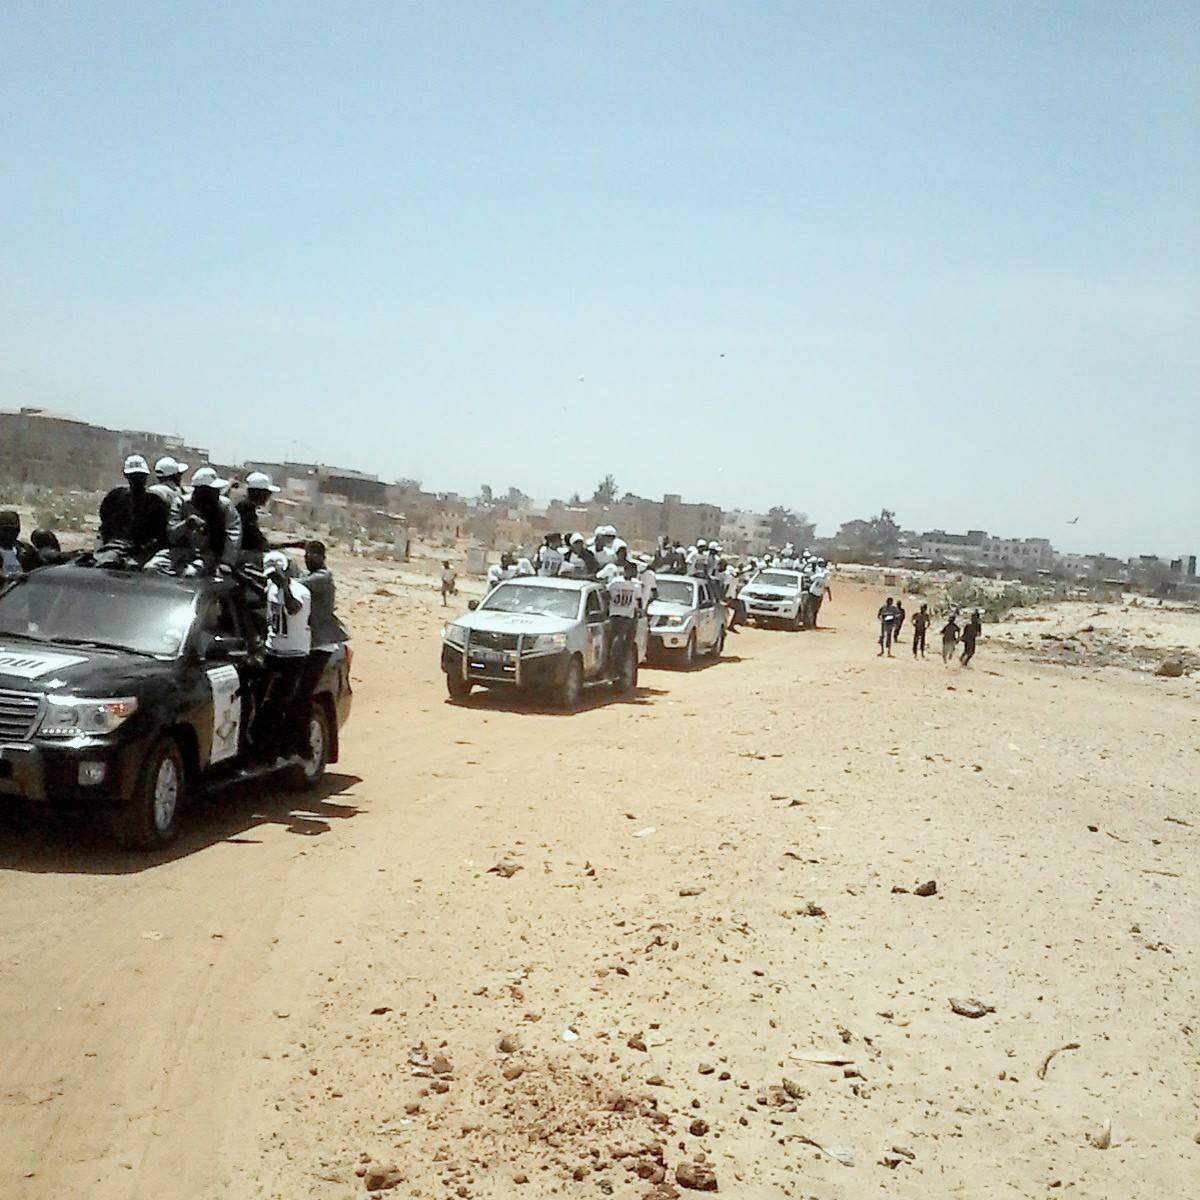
379,1012
1102,1139
1171,668
440,1065
509,1044
926,889
706,1068
899,891
637,1042
696,1177
378,1178
970,1007
513,1071
698,1128
813,910
505,869
692,889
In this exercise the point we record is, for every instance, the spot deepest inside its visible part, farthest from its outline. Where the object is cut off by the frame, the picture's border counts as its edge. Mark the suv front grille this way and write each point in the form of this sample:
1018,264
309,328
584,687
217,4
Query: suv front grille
18,716
494,641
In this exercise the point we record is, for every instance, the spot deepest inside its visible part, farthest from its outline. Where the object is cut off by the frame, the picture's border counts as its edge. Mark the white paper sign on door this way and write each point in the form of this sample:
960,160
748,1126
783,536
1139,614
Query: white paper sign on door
227,712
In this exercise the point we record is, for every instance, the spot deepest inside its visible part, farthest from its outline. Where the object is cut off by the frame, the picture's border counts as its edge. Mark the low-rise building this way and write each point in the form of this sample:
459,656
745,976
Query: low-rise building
745,532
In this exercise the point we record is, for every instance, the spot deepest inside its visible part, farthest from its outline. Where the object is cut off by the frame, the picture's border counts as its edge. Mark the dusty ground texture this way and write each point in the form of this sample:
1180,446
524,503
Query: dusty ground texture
711,961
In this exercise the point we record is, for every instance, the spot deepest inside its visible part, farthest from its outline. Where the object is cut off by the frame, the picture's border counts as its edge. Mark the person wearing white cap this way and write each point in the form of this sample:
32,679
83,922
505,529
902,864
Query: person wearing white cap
259,490
133,520
205,528
579,562
605,544
277,731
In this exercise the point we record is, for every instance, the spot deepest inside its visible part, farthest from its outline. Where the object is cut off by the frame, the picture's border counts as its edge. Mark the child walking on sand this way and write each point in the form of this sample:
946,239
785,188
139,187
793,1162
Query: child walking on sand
449,582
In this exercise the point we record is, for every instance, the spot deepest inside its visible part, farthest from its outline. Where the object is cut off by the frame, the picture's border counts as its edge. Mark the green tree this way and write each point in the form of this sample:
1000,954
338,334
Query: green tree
606,491
788,526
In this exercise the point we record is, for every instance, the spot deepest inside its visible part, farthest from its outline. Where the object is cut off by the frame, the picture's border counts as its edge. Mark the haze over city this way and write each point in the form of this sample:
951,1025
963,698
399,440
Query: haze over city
925,257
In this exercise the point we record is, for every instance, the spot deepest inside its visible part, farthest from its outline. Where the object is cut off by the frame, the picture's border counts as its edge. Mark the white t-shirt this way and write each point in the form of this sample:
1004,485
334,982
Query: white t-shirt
610,571
623,597
498,574
288,634
549,558
649,584
819,582
449,579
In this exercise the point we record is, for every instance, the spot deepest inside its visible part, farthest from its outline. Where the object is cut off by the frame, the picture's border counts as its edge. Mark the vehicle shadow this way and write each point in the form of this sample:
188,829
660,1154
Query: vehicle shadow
494,700
41,839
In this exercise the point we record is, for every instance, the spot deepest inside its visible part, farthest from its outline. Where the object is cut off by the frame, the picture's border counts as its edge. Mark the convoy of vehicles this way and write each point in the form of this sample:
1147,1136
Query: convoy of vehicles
687,620
130,691
547,635
775,594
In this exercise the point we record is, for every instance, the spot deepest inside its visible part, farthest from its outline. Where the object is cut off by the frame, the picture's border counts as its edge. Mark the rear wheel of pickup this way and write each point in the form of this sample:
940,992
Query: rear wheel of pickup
308,773
571,688
457,687
688,658
797,622
149,819
718,647
627,680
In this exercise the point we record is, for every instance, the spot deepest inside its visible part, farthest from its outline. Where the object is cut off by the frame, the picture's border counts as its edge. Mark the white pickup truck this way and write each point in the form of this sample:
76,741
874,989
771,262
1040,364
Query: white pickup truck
686,620
551,635
775,594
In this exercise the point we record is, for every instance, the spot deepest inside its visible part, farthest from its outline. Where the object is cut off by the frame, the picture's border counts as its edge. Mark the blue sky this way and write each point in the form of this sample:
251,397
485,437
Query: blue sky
938,257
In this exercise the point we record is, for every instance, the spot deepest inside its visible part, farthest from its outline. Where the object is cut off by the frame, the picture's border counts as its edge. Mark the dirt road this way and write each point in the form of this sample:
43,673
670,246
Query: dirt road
705,908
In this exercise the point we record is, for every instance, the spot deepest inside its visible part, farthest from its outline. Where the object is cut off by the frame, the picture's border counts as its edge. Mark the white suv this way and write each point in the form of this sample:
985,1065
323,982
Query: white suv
539,634
686,619
775,594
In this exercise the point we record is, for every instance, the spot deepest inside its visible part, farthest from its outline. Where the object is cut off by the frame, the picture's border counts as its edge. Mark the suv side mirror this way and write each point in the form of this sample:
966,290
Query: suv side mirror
472,605
227,649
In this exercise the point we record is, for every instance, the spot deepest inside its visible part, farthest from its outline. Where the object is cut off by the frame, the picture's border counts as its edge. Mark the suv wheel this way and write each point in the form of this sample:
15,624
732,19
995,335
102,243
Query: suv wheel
797,622
307,775
458,687
689,651
627,680
149,819
719,645
571,688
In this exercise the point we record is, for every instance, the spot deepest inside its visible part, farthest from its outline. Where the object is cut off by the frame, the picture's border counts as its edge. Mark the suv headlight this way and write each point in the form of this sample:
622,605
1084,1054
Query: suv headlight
82,716
546,642
456,635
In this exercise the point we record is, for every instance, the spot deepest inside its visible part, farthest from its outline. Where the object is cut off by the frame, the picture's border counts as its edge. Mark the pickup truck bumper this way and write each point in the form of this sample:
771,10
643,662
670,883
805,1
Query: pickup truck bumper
91,770
668,638
780,610
542,670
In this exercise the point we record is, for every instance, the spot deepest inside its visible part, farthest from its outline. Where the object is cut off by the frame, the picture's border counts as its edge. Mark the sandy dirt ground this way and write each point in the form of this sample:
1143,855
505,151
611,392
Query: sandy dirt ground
703,955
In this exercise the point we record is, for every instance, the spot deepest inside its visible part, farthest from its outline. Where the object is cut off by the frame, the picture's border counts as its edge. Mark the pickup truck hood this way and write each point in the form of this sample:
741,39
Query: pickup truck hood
502,622
38,668
669,608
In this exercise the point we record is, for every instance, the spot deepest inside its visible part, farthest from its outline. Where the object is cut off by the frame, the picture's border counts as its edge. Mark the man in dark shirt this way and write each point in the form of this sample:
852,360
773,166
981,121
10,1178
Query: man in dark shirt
920,624
899,621
888,613
134,518
259,490
971,630
16,556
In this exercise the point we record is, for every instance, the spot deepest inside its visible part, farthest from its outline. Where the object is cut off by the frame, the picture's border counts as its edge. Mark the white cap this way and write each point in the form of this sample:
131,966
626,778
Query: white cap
700,542
276,560
135,464
207,477
259,481
577,537
167,466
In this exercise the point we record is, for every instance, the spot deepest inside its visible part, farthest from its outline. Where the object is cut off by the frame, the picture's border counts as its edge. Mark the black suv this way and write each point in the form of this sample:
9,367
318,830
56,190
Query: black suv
128,690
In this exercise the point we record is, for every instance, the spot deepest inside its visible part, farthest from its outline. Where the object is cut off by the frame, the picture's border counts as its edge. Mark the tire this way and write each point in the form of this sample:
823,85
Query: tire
568,693
688,658
626,682
458,687
718,647
797,622
149,819
307,776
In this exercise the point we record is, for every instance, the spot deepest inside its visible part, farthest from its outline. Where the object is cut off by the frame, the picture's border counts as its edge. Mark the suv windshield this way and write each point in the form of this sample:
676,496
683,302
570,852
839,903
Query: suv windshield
779,579
544,601
677,591
97,609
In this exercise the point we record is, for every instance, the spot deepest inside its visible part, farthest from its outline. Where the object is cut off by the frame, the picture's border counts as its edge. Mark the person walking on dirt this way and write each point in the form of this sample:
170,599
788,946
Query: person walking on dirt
449,581
888,613
921,621
972,630
899,620
949,637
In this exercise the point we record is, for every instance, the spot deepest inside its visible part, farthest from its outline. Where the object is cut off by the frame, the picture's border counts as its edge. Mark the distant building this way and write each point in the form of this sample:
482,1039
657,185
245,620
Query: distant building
41,449
745,532
977,547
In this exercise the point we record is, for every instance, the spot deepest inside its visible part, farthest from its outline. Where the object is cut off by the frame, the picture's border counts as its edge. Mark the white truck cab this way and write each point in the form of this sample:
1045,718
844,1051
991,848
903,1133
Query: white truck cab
775,594
540,634
686,620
